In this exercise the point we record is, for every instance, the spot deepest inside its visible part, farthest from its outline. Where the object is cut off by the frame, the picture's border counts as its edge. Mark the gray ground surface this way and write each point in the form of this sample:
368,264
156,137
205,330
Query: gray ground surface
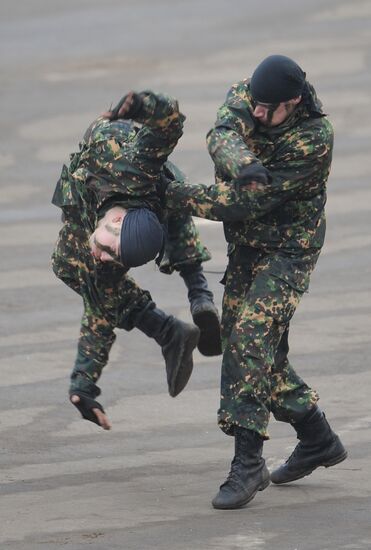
148,483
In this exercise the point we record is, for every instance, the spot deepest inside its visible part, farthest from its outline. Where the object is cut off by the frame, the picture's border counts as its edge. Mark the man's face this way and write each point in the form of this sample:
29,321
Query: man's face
273,114
105,241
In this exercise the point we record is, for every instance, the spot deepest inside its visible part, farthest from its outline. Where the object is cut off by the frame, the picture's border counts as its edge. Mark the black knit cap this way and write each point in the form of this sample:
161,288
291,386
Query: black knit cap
277,78
142,237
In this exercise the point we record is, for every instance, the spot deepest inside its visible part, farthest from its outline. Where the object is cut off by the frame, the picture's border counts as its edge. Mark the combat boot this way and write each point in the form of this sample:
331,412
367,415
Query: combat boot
318,446
248,474
203,310
177,341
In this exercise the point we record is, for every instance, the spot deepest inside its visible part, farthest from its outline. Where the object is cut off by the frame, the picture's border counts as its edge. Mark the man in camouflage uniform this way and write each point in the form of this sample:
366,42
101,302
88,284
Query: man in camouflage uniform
109,182
272,148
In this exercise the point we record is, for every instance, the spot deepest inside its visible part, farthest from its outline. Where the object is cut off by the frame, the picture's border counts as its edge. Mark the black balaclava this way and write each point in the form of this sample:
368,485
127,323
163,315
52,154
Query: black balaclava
277,79
142,237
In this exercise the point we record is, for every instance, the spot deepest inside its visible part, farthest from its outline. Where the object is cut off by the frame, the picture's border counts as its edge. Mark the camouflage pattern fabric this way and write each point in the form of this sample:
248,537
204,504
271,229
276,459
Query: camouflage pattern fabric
262,291
275,233
183,245
118,162
121,159
111,299
286,213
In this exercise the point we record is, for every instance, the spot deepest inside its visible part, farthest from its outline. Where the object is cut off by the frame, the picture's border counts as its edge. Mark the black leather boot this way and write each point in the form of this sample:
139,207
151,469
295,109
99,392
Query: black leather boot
204,313
248,474
177,341
318,446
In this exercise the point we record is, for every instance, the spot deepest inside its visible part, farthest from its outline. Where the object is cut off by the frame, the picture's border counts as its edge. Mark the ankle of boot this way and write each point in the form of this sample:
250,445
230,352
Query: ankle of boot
165,335
248,445
306,417
196,282
154,322
199,299
314,429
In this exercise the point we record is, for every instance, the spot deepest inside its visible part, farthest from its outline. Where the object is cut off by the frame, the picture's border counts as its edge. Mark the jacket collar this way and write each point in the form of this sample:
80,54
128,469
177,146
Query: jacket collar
309,107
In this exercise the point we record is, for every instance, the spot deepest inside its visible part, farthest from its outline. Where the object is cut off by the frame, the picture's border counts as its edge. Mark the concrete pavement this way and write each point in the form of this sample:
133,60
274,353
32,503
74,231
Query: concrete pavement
148,483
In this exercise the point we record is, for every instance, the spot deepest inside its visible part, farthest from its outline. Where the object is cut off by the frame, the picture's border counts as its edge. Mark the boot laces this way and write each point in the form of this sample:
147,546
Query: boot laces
234,477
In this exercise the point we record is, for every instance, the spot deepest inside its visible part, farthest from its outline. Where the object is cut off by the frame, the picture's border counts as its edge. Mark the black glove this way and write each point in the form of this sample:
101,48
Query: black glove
132,111
253,172
86,405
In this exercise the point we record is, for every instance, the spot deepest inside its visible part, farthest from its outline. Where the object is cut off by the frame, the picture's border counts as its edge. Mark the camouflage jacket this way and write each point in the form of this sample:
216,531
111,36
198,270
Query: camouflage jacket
288,212
120,162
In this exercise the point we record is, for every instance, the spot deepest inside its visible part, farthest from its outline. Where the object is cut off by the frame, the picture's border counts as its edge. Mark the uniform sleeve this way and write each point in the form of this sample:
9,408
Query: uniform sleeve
124,162
162,128
301,173
225,143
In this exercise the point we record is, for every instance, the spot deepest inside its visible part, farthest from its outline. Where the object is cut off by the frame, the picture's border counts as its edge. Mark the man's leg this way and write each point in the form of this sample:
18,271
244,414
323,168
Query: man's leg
112,299
185,253
291,396
273,288
177,340
133,307
293,402
117,301
240,415
203,310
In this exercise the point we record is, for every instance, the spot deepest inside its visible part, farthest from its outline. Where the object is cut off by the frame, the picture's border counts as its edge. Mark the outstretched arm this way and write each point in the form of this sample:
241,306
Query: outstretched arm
303,168
96,339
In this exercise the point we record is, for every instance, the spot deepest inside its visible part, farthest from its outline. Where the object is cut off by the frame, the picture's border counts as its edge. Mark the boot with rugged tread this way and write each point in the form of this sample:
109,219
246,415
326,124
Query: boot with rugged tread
248,473
318,446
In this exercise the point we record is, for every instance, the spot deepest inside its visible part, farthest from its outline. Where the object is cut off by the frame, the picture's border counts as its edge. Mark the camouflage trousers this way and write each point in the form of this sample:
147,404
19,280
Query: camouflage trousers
262,291
110,296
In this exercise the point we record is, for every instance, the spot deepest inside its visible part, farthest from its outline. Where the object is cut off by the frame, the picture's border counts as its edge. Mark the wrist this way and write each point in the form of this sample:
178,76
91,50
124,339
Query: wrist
82,383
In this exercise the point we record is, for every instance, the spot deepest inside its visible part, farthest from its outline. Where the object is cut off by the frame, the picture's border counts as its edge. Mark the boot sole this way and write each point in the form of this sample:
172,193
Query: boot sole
210,343
184,372
263,486
327,464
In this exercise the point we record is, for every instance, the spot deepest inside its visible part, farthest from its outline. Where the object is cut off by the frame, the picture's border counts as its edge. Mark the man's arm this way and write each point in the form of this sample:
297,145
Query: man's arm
126,163
304,168
95,342
226,145
162,126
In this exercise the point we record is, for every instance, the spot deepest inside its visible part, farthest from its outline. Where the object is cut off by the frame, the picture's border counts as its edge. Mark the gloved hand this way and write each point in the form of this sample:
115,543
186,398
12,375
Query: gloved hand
253,172
90,409
128,107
